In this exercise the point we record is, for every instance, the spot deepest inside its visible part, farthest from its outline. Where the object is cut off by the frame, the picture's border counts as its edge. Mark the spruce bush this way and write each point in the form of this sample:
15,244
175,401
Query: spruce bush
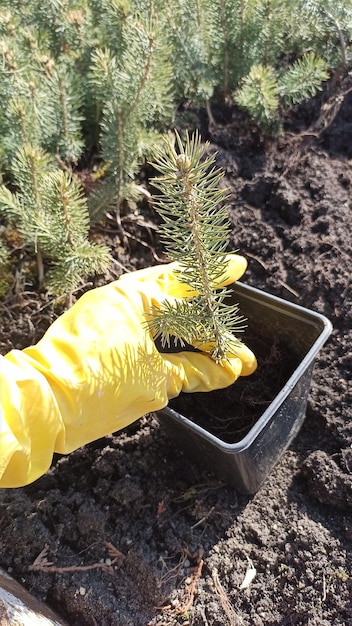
108,77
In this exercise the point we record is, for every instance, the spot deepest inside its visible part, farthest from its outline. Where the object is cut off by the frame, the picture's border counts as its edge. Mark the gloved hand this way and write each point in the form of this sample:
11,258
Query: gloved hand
97,370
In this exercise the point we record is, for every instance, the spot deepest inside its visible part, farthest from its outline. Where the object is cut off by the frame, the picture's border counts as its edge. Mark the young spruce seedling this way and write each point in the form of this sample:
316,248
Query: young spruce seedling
195,232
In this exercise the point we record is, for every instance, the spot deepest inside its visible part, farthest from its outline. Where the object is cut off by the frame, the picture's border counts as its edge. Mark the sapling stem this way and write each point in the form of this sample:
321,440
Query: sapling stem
195,231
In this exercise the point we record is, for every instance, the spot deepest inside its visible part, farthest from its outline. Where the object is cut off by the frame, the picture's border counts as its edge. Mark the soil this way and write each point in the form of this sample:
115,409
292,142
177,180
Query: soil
128,531
250,396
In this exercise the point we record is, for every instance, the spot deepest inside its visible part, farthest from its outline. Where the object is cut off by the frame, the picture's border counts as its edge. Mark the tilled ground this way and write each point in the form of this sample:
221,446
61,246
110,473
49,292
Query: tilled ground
128,531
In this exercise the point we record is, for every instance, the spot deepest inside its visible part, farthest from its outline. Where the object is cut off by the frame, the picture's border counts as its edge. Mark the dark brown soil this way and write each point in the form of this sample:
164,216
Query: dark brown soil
183,541
248,398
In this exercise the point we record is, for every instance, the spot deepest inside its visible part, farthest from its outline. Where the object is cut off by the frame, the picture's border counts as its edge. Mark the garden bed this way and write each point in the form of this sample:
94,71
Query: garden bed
135,533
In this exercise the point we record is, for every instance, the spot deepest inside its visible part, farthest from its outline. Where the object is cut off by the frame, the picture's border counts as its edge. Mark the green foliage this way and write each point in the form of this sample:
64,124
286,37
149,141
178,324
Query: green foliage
264,89
326,27
50,211
64,92
303,79
133,89
195,229
42,95
188,28
259,95
216,43
41,98
104,78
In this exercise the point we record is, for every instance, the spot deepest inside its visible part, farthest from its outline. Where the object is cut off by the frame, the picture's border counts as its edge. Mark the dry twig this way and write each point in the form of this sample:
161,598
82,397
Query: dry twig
173,571
42,564
191,589
234,619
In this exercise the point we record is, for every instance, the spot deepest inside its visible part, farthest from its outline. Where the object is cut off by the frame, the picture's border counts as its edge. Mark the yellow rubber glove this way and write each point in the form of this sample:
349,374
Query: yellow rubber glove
97,370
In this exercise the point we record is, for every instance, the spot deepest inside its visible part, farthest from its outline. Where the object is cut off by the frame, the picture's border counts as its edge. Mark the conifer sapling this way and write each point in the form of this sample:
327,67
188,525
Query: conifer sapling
195,231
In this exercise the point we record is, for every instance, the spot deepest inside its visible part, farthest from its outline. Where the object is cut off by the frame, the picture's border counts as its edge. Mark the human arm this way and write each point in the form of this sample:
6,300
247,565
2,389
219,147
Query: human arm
96,370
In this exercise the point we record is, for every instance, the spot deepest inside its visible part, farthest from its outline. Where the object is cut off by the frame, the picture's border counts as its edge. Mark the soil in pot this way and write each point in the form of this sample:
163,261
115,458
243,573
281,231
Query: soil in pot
230,413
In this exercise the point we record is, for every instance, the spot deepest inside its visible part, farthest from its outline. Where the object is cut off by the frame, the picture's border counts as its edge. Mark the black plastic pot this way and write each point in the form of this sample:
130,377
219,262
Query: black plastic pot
246,463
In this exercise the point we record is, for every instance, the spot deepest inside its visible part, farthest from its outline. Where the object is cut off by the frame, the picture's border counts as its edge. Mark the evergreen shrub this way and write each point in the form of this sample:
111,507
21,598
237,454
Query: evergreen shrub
102,81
